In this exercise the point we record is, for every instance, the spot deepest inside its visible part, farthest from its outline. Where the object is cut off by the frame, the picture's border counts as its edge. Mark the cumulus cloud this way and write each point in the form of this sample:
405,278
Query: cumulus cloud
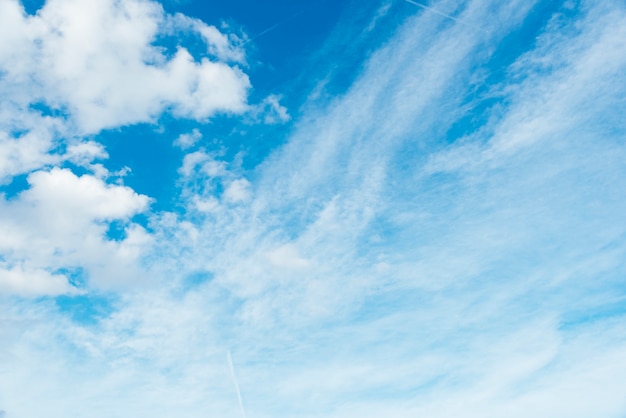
30,148
66,73
86,198
61,221
78,67
96,61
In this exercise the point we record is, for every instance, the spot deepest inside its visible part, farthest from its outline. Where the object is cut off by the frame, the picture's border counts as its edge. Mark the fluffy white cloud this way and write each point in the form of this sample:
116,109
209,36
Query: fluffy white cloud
61,221
25,143
77,67
33,283
84,199
69,71
96,61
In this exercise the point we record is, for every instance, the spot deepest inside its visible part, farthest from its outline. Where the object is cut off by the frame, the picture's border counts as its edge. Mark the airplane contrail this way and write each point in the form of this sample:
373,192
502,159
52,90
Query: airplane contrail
271,28
437,12
282,22
234,377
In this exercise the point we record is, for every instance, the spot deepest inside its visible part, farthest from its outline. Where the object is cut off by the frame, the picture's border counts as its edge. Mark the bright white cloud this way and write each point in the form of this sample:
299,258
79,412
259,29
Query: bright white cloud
74,69
33,283
86,198
94,64
61,222
29,149
96,61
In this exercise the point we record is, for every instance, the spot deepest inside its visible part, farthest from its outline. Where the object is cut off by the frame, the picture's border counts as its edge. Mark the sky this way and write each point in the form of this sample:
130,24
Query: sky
327,208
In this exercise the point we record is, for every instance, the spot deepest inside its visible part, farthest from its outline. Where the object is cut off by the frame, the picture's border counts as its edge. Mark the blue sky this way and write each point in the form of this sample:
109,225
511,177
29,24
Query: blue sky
312,209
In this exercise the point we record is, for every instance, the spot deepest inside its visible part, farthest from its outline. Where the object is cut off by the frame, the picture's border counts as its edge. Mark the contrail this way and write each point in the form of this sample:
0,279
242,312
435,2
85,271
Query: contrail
282,22
271,28
234,377
437,12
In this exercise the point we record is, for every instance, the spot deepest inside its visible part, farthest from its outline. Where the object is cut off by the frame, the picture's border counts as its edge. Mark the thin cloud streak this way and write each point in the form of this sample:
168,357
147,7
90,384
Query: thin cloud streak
236,383
437,12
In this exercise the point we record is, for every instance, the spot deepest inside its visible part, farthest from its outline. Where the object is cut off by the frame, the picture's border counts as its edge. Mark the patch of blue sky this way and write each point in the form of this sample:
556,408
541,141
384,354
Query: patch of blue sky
32,6
116,230
152,158
16,185
76,276
196,279
306,22
88,309
47,110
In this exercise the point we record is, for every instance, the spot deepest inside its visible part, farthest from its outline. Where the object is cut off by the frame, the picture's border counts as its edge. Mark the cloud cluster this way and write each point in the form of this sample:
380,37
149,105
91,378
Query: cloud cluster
68,72
98,62
61,222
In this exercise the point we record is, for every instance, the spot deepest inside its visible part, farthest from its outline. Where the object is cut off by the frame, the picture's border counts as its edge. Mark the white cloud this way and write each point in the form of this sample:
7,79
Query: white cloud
61,221
33,283
86,198
185,141
84,153
220,45
28,150
270,111
96,61
237,191
288,256
382,11
199,162
70,71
